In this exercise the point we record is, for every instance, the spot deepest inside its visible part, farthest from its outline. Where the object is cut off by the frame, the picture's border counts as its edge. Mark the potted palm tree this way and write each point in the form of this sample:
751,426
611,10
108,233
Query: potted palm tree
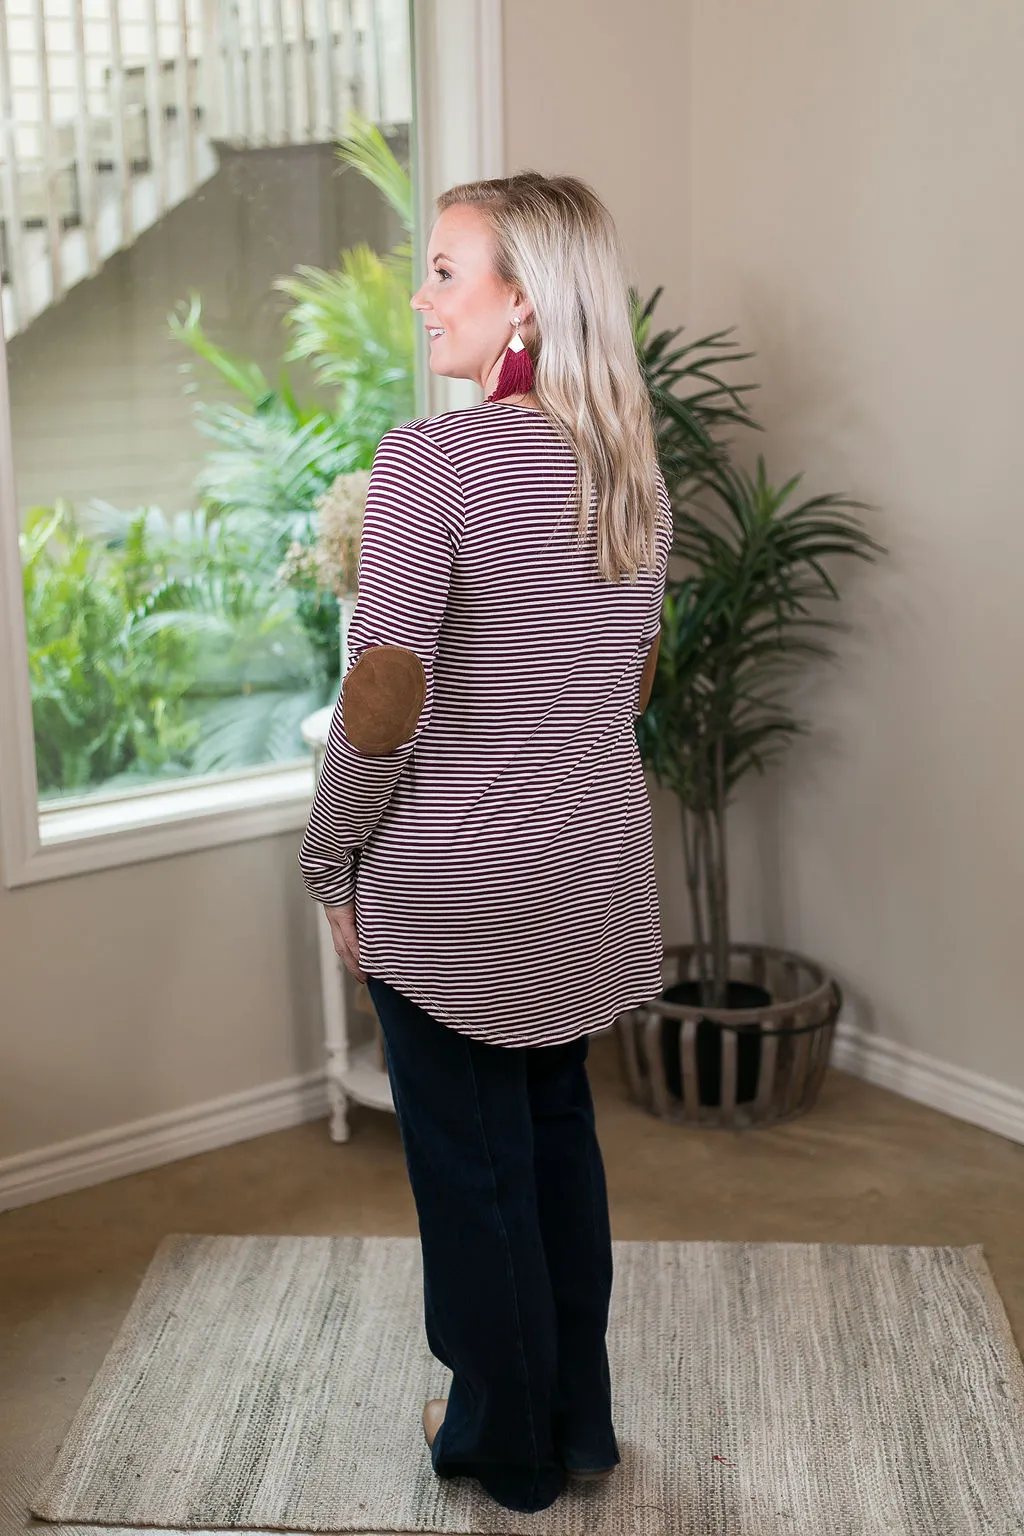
742,1035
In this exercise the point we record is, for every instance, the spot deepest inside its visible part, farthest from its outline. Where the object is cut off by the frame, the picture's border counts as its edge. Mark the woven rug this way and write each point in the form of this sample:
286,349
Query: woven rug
762,1389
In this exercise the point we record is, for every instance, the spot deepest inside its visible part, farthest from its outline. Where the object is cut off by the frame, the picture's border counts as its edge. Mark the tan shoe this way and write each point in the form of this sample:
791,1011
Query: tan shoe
433,1417
600,1476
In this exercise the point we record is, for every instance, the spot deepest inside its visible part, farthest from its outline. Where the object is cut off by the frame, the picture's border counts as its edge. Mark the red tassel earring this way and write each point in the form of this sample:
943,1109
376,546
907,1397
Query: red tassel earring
516,376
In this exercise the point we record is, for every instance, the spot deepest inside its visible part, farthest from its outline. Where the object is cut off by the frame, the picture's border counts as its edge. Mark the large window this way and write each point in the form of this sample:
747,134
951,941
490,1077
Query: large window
207,325
211,221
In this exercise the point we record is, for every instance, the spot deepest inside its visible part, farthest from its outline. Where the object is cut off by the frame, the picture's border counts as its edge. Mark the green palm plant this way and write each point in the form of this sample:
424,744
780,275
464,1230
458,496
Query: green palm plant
161,644
365,150
108,700
749,610
268,466
209,583
354,325
691,403
354,328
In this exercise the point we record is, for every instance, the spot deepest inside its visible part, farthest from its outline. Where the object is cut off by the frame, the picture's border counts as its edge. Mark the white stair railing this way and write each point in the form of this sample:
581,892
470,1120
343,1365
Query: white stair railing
289,71
110,111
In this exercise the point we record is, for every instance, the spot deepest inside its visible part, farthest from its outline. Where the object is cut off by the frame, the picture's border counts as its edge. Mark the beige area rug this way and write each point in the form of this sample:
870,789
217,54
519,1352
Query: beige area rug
762,1389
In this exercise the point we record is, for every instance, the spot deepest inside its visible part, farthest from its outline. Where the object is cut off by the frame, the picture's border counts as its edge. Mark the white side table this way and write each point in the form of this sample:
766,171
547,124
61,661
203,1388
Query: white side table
354,1071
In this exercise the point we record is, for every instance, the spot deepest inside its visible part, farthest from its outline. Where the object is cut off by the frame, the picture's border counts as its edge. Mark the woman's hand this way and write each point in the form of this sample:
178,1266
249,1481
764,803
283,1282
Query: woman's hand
346,940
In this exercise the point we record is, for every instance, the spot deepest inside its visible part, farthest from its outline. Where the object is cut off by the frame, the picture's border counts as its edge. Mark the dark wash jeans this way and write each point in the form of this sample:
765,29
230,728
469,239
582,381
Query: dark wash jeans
510,1192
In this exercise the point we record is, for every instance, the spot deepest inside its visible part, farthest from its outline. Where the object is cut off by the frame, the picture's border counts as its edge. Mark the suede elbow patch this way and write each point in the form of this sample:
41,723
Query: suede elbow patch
647,675
382,697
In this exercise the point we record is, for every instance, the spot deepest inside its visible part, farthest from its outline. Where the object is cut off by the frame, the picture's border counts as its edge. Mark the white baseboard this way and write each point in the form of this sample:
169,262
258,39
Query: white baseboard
93,1159
86,1160
957,1091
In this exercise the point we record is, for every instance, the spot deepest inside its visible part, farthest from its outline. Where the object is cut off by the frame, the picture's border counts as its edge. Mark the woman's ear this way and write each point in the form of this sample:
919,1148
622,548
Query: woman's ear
522,306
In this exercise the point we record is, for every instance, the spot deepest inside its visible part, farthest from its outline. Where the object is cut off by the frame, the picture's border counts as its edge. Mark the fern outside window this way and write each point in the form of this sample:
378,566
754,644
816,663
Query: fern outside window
185,401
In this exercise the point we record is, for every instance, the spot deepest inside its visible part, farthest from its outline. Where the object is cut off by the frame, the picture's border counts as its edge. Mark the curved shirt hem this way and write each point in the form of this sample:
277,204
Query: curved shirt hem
513,1037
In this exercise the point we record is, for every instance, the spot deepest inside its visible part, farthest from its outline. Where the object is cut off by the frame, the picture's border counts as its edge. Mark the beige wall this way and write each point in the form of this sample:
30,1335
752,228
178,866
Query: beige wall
853,208
135,991
857,213
600,90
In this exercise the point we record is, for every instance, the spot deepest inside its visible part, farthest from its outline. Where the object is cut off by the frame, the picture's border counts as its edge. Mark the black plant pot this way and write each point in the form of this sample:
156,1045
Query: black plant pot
742,994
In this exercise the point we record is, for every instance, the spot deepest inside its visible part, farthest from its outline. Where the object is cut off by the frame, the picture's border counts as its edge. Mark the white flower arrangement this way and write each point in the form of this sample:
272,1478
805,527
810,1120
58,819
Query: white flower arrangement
331,562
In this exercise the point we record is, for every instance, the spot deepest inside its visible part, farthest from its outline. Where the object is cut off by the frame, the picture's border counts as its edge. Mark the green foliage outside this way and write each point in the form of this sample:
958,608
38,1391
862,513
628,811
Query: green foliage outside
167,643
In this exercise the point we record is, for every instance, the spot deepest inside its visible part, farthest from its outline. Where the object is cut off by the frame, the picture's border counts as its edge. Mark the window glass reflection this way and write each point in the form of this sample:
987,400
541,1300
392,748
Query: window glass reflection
206,216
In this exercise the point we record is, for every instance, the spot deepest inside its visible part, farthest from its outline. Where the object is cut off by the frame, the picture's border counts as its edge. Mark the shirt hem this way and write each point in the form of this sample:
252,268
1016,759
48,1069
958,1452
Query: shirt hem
512,1039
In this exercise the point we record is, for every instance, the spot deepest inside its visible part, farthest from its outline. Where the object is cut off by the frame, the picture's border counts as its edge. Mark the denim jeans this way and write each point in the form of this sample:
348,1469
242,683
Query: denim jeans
509,1186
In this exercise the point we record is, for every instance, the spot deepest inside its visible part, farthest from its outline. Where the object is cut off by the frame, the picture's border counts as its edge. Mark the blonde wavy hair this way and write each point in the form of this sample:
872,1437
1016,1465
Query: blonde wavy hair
555,240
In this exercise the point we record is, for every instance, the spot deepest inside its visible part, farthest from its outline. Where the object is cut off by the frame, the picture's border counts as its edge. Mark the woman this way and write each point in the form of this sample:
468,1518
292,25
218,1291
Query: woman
481,833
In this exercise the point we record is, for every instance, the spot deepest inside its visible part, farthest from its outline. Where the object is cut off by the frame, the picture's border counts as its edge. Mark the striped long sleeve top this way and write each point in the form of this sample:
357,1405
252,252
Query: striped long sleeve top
501,860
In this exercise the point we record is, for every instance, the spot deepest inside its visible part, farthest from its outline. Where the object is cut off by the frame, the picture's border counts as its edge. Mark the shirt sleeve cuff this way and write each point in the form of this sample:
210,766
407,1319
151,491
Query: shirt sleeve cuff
332,883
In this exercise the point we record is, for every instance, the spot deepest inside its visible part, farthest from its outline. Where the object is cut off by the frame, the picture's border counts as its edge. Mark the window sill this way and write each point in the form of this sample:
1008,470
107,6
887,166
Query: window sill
102,832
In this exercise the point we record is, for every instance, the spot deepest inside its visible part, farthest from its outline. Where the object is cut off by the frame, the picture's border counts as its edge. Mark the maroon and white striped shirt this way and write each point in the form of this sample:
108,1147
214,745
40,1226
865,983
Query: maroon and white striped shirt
501,861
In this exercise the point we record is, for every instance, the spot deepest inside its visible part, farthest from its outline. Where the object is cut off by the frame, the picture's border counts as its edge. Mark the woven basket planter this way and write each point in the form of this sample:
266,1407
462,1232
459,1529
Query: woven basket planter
736,1068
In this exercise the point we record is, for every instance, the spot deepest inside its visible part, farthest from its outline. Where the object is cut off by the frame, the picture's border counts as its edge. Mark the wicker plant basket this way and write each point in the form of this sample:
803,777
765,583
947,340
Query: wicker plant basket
784,1044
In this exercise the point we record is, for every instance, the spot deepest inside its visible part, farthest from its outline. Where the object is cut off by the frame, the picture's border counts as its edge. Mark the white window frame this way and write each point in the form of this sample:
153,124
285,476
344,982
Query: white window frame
457,135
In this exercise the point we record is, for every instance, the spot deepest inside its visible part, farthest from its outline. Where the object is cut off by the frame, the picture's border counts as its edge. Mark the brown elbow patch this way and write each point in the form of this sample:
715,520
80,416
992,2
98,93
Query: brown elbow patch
647,675
382,697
